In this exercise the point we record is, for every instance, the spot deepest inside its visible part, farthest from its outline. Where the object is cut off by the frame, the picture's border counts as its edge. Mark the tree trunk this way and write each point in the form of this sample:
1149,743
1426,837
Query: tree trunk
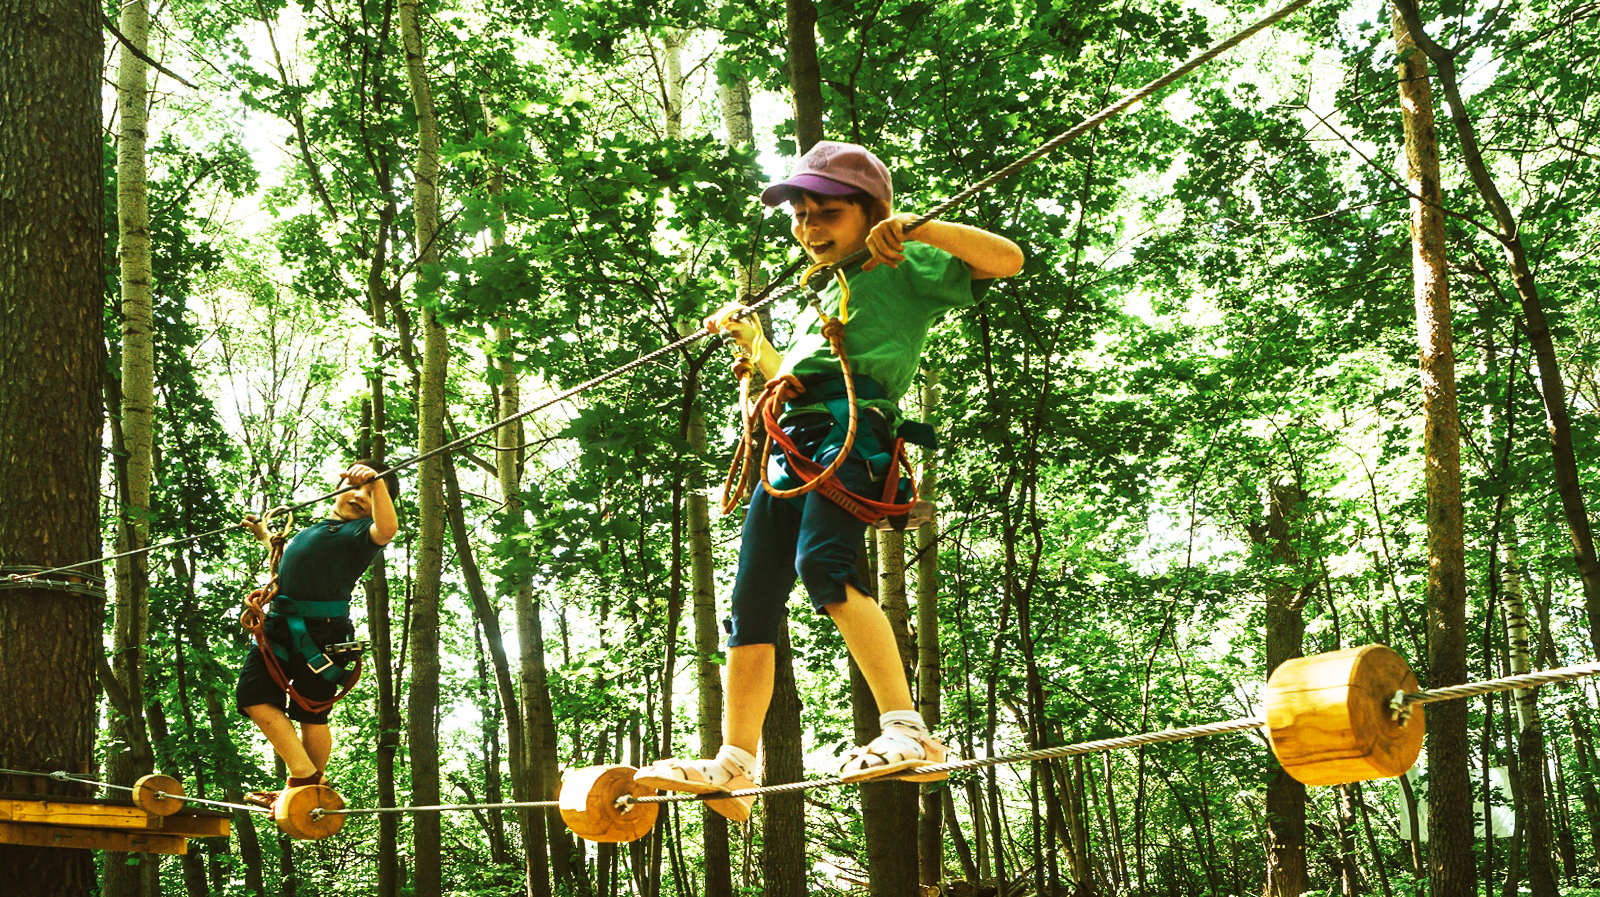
1451,870
1535,821
805,73
137,406
379,630
51,362
930,840
888,809
1589,775
1285,636
1551,387
783,816
422,724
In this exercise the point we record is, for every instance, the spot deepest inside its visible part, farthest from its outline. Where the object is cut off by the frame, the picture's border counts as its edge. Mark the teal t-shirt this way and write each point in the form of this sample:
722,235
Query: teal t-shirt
891,311
324,560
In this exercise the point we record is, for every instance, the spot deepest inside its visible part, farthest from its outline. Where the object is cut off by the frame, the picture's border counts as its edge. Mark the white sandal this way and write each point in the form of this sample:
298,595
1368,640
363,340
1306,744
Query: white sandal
703,777
898,749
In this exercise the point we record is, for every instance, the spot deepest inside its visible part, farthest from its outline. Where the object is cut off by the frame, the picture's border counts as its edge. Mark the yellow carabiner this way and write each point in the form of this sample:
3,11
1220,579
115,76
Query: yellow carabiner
844,290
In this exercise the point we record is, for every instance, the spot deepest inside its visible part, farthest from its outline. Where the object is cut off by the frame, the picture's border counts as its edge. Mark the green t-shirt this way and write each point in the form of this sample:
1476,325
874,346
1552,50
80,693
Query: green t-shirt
324,560
891,311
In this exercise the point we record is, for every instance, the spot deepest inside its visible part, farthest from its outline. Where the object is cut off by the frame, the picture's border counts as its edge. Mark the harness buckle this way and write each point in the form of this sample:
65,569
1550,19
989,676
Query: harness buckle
327,662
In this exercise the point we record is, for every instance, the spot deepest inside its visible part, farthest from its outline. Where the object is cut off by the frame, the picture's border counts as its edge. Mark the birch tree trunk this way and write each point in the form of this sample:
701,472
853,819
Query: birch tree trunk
130,623
422,711
1451,870
52,358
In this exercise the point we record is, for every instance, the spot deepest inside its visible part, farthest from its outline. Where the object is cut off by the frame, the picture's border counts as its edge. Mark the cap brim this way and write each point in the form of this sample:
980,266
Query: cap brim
786,191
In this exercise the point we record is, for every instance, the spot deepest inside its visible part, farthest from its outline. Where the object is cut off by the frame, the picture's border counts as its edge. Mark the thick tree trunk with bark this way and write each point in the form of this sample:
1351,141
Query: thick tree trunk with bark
1451,870
423,709
51,362
137,407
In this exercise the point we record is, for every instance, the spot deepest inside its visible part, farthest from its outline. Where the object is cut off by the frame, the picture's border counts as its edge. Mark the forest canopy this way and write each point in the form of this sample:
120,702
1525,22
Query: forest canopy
1190,441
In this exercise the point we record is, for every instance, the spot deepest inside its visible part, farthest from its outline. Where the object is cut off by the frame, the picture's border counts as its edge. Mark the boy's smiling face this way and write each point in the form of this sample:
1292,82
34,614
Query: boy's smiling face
828,228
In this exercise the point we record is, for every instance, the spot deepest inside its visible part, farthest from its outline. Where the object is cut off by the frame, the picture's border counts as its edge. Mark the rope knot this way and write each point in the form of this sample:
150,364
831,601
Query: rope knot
785,388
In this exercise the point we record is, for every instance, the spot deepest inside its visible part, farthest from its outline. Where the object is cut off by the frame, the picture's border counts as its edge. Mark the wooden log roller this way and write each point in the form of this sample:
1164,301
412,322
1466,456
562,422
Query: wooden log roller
158,795
293,813
588,804
1330,718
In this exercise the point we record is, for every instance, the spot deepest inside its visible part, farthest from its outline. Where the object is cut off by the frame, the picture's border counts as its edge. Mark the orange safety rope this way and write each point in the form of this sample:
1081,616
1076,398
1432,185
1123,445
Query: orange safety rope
254,620
760,423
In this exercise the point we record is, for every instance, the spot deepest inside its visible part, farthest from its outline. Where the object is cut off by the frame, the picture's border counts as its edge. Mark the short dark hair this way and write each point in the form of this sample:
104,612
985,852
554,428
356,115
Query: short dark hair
389,477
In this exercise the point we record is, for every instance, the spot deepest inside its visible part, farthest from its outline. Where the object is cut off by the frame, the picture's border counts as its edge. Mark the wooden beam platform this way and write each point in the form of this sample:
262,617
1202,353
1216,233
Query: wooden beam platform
34,835
103,824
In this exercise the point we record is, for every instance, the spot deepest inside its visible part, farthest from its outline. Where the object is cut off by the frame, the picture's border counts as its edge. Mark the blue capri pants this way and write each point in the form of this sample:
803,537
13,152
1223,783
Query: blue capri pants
808,537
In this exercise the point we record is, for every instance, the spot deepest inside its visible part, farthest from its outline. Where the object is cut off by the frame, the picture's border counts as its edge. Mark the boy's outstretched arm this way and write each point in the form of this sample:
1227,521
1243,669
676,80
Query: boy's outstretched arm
989,255
385,522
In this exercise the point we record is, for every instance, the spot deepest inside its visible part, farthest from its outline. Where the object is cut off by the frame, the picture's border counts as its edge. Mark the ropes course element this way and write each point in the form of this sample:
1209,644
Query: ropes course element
21,577
157,820
771,295
1333,718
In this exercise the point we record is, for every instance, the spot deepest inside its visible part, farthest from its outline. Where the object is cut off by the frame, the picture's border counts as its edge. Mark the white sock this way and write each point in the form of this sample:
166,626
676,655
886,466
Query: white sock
743,760
905,719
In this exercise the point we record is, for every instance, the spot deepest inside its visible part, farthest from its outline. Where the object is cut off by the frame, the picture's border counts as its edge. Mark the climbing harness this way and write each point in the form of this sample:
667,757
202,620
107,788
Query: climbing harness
840,395
326,661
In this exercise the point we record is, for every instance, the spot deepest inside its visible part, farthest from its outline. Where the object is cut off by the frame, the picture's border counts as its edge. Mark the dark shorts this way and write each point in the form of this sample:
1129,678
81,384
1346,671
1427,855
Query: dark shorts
807,538
255,680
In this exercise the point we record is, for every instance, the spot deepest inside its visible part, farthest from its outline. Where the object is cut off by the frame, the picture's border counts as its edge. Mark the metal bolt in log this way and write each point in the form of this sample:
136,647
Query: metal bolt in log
293,813
588,804
158,795
1330,721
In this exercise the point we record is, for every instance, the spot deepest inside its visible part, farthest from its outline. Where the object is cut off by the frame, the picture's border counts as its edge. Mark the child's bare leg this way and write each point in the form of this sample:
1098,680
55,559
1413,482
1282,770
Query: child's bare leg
749,693
275,724
318,742
871,642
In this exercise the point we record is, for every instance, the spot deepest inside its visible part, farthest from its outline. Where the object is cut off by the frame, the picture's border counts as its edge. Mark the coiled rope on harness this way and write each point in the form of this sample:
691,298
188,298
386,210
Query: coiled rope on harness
760,426
253,618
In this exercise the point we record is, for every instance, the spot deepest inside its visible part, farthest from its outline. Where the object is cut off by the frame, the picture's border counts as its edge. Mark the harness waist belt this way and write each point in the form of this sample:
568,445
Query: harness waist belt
294,614
288,607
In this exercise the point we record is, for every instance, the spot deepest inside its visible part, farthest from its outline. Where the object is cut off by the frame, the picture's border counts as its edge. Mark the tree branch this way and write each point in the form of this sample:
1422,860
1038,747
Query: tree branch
123,39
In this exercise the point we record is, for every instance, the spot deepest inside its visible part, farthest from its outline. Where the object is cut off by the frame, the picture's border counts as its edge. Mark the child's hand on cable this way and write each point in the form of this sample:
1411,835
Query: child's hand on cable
745,331
359,475
887,241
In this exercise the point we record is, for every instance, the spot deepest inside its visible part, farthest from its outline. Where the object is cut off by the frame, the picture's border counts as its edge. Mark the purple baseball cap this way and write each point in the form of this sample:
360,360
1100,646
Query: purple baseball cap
834,169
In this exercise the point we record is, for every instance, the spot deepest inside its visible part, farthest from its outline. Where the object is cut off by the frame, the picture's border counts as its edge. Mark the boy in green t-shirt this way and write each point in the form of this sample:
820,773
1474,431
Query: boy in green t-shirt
840,197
